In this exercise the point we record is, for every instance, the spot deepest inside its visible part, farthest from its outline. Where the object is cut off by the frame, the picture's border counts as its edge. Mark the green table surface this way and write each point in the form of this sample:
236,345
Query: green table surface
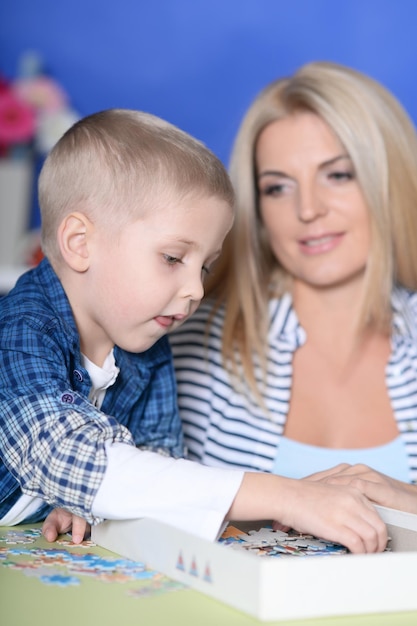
27,601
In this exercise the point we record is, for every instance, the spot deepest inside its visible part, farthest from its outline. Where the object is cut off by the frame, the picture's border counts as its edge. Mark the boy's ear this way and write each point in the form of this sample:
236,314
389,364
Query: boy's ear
74,235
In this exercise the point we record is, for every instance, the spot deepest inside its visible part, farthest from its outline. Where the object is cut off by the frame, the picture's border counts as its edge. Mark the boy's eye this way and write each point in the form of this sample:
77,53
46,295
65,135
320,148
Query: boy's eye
171,260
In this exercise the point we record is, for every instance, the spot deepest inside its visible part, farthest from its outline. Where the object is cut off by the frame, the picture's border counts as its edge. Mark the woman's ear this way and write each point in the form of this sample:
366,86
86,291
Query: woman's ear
74,235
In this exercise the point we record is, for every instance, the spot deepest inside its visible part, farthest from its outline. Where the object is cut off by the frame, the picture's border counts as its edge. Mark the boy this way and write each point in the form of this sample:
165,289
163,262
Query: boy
134,213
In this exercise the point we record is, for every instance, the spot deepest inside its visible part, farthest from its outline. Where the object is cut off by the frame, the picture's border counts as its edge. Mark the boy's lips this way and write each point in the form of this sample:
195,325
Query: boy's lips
164,320
168,320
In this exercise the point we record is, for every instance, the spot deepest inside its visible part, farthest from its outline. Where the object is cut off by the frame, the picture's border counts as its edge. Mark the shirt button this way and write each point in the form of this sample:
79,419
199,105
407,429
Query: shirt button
67,397
78,375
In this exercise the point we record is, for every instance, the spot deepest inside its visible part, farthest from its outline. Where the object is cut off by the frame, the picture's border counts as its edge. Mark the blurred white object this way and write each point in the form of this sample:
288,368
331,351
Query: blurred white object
51,126
9,275
16,178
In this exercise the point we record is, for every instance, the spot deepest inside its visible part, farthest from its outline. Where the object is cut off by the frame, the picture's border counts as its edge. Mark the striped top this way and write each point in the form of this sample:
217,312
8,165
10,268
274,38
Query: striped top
226,427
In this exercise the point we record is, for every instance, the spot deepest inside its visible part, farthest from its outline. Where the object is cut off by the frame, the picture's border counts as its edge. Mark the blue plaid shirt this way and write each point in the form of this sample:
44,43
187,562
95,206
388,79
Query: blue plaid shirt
52,439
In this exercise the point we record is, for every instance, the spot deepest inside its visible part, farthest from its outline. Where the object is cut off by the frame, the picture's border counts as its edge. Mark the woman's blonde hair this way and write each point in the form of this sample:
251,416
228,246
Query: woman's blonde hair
116,164
382,143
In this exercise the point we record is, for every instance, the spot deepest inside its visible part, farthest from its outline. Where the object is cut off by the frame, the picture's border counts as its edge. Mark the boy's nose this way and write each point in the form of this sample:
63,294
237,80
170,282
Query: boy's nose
193,290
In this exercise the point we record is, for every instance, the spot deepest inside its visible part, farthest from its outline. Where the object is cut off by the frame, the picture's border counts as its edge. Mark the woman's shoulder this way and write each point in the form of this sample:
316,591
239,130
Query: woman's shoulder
404,305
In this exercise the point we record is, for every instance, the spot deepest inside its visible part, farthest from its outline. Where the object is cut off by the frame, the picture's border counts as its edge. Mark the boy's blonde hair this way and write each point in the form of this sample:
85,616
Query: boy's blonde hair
116,164
381,141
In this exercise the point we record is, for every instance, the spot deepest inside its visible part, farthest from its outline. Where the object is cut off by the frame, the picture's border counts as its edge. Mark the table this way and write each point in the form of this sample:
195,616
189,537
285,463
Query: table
95,592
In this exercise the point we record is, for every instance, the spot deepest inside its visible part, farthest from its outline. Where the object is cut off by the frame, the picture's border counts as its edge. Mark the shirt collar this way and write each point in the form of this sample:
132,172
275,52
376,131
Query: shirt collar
403,319
284,325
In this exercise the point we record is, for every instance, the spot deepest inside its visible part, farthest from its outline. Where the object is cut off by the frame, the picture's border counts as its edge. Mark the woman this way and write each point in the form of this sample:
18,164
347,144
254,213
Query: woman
304,355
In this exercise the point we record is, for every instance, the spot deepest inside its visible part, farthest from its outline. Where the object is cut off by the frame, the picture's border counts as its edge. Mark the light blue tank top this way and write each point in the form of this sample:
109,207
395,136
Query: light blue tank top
296,460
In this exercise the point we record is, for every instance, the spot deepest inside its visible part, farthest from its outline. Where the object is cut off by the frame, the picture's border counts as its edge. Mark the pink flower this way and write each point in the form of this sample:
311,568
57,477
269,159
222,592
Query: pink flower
4,85
17,120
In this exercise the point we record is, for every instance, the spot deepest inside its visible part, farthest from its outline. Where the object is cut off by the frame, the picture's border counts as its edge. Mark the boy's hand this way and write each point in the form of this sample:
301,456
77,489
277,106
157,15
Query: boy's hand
379,488
342,514
60,521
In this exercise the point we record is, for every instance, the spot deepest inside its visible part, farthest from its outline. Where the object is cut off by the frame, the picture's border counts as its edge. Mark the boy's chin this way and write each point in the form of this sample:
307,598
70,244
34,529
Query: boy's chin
143,346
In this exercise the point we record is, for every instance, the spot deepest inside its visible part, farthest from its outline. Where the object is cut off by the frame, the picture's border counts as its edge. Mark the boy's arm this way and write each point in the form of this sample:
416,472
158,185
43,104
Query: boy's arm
52,439
53,444
199,499
45,422
340,514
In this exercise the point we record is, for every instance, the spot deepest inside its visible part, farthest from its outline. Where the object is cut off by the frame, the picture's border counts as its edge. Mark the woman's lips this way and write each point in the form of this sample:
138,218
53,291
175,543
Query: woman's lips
318,245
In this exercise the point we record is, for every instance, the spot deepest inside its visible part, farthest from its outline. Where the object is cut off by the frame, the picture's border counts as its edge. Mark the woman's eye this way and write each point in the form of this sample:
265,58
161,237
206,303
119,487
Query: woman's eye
272,190
341,175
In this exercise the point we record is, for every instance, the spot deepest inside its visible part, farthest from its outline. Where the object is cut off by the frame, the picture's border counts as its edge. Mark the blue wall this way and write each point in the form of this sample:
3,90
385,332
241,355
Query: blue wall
199,63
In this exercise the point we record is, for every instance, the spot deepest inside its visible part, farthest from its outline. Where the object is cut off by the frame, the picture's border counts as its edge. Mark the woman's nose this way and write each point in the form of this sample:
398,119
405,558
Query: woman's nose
310,204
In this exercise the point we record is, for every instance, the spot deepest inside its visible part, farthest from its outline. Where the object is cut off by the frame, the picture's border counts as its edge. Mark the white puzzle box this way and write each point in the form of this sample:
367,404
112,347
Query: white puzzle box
310,578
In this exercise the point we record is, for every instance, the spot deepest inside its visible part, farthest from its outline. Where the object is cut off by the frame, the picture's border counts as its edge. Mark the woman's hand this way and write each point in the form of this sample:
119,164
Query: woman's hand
379,488
60,521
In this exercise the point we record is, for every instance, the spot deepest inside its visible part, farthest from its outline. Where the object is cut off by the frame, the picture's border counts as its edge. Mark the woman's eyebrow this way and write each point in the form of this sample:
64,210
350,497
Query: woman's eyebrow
326,163
332,161
272,173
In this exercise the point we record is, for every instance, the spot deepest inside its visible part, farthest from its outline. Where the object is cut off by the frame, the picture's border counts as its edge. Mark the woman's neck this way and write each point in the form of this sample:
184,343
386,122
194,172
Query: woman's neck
330,316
